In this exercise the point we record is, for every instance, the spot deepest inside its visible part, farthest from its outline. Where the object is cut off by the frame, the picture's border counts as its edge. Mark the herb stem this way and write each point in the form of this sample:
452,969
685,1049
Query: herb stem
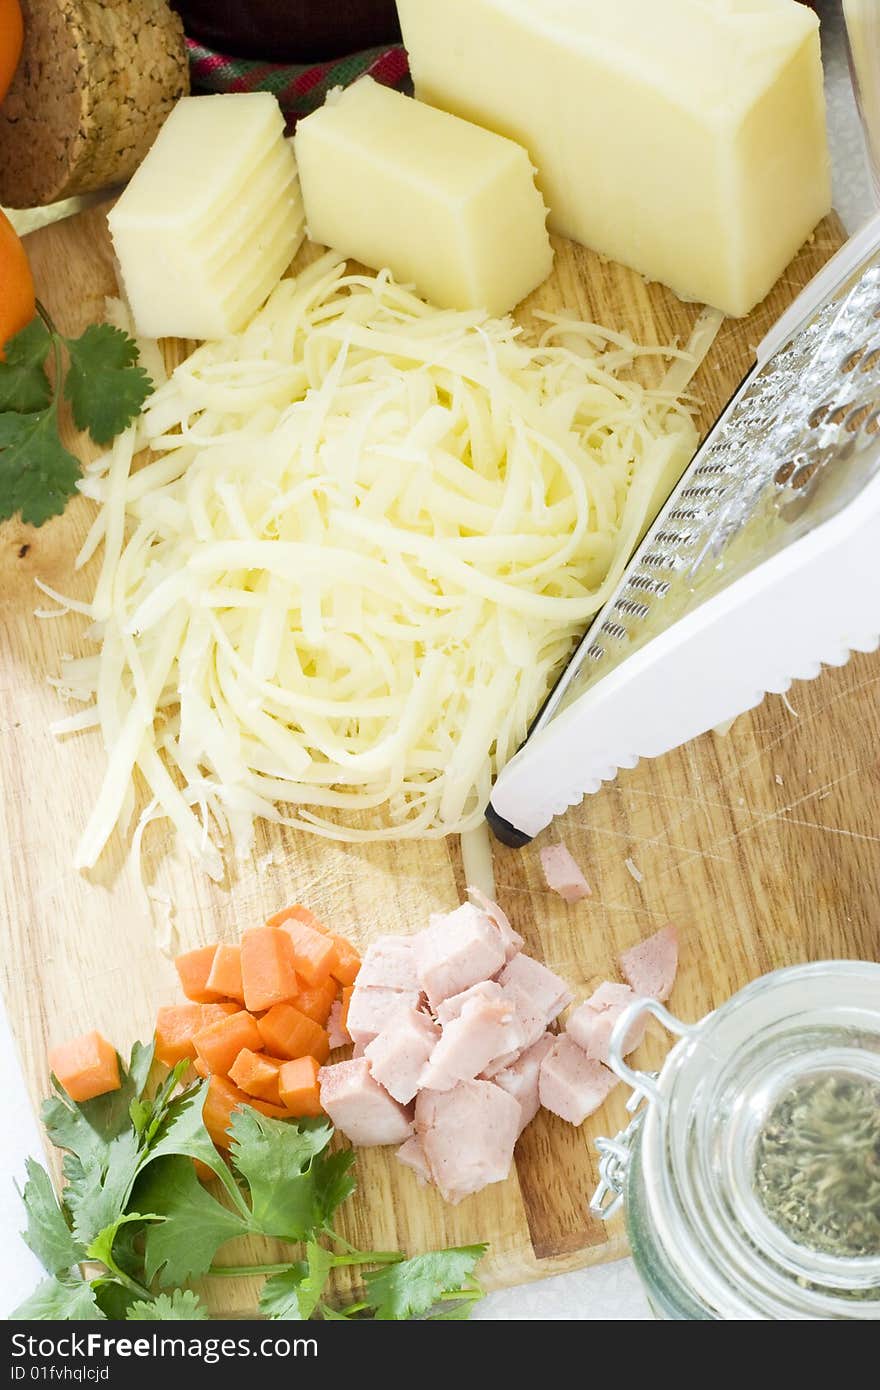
243,1271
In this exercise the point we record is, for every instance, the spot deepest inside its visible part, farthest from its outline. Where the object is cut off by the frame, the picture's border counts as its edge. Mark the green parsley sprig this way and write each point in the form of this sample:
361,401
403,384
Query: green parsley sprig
104,386
135,1226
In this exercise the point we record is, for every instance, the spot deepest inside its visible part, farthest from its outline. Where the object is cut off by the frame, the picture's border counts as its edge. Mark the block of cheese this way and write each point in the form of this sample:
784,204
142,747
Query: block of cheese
684,138
211,219
443,204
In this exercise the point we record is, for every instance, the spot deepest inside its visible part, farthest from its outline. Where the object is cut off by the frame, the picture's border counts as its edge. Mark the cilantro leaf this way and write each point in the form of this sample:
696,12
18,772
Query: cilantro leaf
67,1300
101,1248
98,1193
182,1305
275,1157
280,1294
334,1183
24,385
183,1132
48,1233
37,474
195,1225
105,386
412,1288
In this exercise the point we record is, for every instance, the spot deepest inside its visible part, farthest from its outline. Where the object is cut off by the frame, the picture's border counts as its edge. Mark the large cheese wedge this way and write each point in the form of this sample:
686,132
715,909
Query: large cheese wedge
685,138
443,204
212,218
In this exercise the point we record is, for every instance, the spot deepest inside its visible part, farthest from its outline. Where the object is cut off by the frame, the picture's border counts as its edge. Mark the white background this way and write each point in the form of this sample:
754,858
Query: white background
605,1291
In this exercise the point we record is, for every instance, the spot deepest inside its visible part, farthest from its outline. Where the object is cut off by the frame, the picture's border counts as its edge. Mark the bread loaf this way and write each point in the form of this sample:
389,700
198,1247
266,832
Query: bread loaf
96,80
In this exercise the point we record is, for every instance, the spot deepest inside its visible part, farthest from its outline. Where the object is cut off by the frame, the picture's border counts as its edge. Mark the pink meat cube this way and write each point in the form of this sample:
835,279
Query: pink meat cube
397,1056
562,875
487,990
650,967
389,963
484,1029
592,1023
513,942
548,994
521,1079
570,1083
411,1155
360,1107
467,1136
455,951
371,1010
339,1036
532,1022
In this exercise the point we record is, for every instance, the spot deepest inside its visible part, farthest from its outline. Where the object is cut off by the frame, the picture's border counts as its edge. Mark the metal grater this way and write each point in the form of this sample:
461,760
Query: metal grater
763,565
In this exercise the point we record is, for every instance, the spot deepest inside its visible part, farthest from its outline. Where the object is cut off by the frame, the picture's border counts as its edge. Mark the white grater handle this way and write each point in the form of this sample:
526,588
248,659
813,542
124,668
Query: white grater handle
809,605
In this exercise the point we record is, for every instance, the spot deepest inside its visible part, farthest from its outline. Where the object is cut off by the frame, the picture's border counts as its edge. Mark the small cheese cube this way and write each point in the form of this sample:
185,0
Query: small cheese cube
211,219
685,138
441,203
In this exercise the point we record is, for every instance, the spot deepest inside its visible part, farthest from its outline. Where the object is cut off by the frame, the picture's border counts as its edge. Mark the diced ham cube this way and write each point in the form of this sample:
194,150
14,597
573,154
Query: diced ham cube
532,1022
339,1036
570,1083
513,942
650,967
521,1079
562,874
467,1136
484,1029
412,1155
388,963
548,994
592,1023
488,990
456,950
397,1056
360,1107
371,1010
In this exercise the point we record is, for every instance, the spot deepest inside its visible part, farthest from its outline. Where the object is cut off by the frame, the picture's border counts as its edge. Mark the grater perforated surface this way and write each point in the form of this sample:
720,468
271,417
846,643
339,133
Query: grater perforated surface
798,441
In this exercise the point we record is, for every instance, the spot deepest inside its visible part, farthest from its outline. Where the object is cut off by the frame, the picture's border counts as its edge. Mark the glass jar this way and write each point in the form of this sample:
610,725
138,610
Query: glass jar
706,1243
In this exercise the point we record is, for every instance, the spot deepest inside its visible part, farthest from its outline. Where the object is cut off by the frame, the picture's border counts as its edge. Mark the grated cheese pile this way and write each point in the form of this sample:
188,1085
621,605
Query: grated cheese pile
344,580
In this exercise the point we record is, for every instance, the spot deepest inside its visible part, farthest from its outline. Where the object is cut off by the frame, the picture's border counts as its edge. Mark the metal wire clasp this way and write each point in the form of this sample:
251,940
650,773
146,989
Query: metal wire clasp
615,1153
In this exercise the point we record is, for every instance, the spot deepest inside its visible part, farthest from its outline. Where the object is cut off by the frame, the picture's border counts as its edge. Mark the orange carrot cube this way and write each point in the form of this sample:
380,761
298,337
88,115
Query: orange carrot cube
268,971
298,1087
287,1033
221,1098
257,1074
348,962
316,1001
296,913
176,1024
314,954
225,973
86,1067
219,1044
194,967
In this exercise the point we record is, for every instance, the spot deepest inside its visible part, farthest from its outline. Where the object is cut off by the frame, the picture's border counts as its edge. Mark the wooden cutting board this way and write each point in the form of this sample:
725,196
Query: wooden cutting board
763,845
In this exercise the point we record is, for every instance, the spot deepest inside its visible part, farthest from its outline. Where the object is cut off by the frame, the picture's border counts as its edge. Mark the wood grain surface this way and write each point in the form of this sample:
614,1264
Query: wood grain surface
763,845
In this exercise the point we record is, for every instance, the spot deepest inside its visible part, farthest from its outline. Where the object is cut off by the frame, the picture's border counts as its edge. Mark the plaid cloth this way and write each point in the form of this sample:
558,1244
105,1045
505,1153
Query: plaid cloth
299,89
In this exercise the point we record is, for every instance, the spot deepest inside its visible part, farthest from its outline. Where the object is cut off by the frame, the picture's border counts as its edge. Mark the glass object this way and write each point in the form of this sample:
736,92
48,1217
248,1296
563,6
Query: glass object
750,1174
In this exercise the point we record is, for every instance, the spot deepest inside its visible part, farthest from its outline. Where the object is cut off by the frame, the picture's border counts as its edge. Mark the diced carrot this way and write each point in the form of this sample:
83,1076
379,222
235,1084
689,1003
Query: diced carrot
86,1066
221,1098
316,1001
212,1012
265,1107
225,973
299,914
298,1087
288,1033
176,1025
346,1000
257,1074
348,962
314,954
219,1044
194,967
268,971
203,1172
200,1068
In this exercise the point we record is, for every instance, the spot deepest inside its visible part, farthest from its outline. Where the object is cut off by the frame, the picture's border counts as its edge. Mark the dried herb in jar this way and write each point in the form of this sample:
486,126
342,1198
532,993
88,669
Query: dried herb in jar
817,1165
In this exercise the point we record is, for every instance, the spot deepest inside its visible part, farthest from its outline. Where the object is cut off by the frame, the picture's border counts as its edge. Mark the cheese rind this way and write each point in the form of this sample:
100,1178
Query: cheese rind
443,204
212,218
686,140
